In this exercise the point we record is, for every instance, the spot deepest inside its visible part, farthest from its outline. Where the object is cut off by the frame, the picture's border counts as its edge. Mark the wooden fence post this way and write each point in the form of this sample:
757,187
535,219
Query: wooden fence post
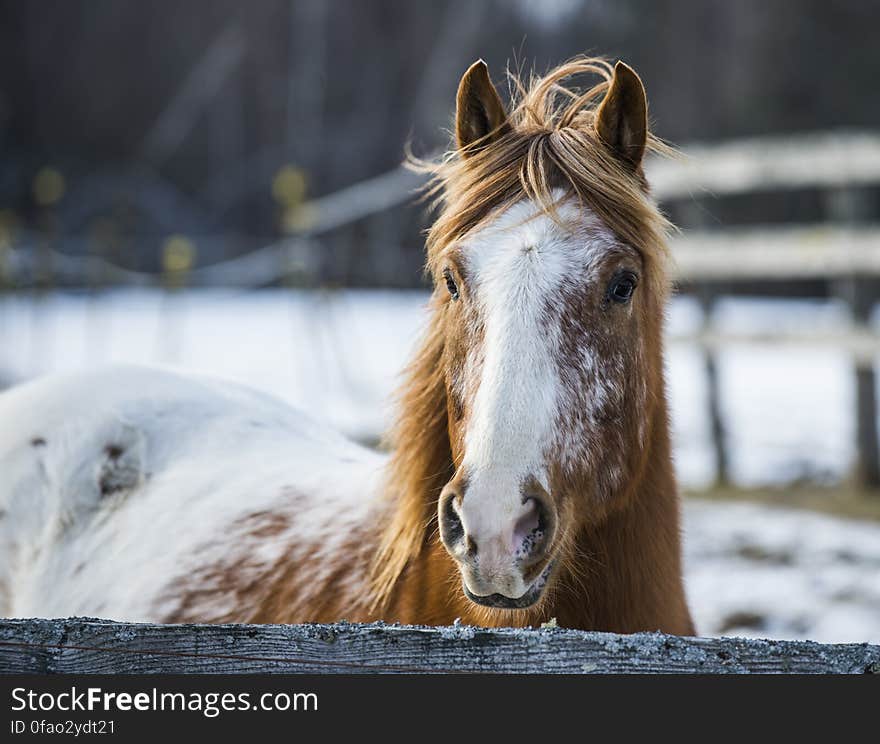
695,216
859,295
850,205
713,394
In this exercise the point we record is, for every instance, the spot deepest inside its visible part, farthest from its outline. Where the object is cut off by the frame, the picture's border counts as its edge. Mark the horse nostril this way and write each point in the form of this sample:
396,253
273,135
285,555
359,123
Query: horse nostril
534,528
543,515
451,528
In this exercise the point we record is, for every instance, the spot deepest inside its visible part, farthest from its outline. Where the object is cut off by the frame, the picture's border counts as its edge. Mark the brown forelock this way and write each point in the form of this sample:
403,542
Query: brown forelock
551,143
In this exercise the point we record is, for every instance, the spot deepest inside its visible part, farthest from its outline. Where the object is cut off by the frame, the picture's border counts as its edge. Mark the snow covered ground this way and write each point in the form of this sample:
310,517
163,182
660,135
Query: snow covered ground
751,570
765,572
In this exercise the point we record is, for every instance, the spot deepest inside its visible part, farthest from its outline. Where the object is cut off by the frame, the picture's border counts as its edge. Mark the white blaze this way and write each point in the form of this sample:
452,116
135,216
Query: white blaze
517,268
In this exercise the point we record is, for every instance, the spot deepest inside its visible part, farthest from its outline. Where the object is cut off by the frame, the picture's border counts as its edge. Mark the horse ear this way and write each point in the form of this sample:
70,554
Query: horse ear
480,118
622,118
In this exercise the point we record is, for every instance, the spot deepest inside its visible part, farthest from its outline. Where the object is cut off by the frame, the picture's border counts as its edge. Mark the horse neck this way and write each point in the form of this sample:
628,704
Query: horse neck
628,576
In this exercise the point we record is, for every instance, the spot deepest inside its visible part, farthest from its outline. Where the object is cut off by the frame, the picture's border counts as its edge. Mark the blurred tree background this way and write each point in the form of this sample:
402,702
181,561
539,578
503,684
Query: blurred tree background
132,122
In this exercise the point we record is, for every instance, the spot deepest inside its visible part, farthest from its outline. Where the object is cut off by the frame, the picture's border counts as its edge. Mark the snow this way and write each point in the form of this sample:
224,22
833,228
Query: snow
765,572
751,570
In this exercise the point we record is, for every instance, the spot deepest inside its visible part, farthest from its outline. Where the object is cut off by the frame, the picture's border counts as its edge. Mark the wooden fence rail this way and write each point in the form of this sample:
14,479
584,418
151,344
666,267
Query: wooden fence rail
826,160
80,646
781,253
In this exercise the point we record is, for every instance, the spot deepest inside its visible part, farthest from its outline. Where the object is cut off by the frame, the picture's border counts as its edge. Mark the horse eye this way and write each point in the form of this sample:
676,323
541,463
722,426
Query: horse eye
622,287
450,284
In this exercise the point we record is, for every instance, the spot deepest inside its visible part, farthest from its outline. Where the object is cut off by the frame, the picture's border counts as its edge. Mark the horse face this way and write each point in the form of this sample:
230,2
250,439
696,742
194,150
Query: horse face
546,389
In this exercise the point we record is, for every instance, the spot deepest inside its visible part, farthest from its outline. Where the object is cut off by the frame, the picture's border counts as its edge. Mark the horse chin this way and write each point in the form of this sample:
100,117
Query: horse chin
502,602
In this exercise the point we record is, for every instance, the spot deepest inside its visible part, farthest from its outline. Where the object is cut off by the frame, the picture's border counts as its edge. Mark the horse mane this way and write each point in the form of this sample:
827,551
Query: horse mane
421,461
548,142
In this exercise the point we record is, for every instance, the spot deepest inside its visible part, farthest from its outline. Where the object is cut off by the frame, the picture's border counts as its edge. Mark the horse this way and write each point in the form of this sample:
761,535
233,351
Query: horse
527,477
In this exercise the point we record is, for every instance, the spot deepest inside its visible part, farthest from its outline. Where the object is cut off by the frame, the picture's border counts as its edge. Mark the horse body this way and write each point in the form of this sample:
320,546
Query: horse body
530,474
142,495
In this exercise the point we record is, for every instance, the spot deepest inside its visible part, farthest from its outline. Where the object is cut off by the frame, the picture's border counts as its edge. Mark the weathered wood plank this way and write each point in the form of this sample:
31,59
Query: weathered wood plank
819,160
816,160
776,253
81,645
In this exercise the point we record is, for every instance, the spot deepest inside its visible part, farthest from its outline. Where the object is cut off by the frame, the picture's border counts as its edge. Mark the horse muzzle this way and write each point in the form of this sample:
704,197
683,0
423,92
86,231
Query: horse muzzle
502,602
501,532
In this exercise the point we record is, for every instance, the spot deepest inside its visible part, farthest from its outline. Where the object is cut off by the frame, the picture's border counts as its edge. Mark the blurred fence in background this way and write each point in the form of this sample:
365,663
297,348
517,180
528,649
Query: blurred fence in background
838,258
